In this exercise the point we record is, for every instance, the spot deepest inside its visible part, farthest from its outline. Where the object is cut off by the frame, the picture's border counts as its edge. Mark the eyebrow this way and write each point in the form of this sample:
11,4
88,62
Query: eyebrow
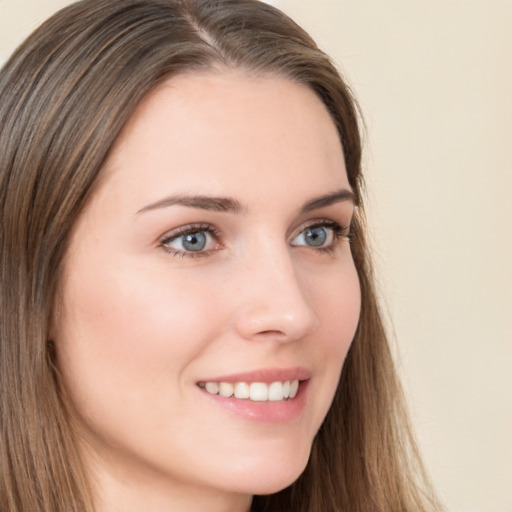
213,204
329,199
229,205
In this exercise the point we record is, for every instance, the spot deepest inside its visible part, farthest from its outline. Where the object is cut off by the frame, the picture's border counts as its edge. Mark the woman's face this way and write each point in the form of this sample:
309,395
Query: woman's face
213,258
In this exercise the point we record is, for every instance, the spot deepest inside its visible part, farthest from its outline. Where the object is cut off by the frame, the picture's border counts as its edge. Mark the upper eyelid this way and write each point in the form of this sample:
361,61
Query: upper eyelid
319,222
215,231
189,228
164,242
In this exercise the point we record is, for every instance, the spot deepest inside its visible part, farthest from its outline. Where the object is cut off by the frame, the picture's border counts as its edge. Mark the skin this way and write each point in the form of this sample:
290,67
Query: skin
138,325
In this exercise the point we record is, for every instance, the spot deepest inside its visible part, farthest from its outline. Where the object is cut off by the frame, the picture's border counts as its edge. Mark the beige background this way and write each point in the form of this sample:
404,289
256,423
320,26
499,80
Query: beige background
434,78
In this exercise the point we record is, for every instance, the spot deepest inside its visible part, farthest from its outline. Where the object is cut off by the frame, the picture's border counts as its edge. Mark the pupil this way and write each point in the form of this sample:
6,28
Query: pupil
316,236
194,241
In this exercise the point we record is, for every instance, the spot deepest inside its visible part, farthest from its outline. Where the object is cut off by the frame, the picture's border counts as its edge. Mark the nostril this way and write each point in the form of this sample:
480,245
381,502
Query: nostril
271,333
275,336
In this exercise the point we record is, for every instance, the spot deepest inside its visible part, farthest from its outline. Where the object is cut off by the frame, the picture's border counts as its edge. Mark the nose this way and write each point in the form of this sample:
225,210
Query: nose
272,301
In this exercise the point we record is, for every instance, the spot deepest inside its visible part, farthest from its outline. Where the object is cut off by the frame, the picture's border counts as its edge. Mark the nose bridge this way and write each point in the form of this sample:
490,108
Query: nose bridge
273,301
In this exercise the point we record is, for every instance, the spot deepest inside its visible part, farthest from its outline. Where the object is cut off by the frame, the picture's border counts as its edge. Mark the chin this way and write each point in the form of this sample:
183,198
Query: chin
271,475
274,483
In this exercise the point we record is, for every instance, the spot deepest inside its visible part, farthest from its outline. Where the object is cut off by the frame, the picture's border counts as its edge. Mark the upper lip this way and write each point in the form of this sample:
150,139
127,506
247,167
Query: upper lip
266,375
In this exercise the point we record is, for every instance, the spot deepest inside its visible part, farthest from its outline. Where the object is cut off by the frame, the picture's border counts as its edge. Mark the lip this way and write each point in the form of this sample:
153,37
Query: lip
263,412
266,375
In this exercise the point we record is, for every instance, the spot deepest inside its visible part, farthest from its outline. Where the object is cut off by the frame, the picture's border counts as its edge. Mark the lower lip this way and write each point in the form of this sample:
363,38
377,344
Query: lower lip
264,412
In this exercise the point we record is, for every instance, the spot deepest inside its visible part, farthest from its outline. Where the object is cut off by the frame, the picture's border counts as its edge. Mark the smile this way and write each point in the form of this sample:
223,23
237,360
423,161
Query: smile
255,391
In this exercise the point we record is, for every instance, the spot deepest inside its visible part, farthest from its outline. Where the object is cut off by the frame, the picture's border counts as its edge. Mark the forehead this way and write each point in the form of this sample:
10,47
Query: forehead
207,130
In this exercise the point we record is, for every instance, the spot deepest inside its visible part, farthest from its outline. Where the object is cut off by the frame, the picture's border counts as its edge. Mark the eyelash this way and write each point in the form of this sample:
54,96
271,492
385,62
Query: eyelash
188,230
339,232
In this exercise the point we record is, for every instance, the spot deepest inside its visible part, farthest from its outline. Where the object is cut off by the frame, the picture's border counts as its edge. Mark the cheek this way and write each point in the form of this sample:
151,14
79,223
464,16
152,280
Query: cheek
338,305
130,330
337,299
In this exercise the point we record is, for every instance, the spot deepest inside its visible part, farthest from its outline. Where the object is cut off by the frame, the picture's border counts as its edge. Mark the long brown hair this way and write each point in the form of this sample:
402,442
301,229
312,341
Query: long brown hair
65,95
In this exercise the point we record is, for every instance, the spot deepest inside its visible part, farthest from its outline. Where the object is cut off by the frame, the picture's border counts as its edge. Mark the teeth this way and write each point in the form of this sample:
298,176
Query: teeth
242,390
212,387
226,389
255,391
259,392
294,387
286,389
275,391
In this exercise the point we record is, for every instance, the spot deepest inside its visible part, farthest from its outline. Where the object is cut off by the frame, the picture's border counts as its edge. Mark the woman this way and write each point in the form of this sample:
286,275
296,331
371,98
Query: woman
185,325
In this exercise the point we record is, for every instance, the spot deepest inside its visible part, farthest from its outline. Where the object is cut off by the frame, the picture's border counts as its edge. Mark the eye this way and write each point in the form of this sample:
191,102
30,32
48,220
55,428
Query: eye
191,241
322,235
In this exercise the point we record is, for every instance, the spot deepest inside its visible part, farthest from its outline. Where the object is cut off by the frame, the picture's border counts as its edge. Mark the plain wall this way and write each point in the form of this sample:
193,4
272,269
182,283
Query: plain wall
434,79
